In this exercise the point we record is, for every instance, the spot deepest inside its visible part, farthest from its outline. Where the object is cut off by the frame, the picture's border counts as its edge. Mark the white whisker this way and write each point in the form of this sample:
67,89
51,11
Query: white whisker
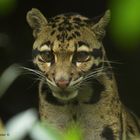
50,82
93,74
113,62
37,73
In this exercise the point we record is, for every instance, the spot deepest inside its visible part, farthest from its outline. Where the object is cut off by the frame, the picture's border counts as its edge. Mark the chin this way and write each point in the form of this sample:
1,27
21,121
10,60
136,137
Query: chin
65,96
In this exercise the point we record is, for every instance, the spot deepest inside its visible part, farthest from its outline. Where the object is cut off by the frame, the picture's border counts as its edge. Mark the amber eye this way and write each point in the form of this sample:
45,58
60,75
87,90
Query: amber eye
82,56
47,56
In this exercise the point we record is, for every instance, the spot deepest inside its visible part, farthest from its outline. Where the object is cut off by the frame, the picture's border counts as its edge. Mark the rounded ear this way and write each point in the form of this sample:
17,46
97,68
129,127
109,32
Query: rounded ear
99,27
36,20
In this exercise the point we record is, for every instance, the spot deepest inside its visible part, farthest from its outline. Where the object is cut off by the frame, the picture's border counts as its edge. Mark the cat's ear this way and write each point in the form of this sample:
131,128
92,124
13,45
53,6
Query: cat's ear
36,20
99,27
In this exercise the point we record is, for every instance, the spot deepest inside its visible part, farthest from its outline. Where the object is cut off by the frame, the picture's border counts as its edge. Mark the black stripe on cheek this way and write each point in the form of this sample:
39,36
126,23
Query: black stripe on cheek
95,67
108,133
107,70
97,91
35,52
97,53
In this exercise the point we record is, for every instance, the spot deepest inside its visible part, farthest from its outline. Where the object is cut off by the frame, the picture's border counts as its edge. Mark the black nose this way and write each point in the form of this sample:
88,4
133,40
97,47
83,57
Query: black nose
62,83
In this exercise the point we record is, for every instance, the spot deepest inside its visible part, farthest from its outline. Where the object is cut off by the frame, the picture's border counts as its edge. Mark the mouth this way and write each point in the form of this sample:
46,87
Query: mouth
67,93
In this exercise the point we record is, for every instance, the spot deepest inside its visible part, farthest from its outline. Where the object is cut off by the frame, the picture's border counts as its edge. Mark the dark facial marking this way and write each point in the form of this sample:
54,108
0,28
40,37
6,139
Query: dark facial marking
35,52
81,56
108,133
95,67
47,56
62,36
69,38
53,25
97,53
58,36
73,35
69,28
96,95
76,26
52,33
60,29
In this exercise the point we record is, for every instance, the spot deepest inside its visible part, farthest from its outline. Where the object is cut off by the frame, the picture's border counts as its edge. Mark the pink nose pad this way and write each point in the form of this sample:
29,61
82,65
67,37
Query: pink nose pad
62,83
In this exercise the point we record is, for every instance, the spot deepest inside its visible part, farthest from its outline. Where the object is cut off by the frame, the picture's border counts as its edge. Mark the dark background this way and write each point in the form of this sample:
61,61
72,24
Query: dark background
16,45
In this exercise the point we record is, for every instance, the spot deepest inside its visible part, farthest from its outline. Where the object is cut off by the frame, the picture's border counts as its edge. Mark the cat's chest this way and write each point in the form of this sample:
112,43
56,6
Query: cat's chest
87,115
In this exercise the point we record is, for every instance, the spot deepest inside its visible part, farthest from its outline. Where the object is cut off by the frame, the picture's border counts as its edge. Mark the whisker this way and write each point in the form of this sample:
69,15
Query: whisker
113,62
35,72
94,74
96,71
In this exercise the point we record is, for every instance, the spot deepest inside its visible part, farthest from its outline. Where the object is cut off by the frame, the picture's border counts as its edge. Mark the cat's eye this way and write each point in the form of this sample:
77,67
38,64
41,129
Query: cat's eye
81,56
47,56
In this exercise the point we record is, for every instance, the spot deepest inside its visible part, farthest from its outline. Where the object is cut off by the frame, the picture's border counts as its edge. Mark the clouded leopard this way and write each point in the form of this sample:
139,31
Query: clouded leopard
76,79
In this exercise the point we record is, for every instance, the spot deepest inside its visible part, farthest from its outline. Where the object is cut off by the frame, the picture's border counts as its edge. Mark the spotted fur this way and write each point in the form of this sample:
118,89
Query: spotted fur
77,83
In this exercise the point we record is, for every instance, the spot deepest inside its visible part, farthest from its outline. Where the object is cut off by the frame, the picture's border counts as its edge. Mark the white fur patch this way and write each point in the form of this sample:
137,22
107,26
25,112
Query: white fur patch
45,48
83,48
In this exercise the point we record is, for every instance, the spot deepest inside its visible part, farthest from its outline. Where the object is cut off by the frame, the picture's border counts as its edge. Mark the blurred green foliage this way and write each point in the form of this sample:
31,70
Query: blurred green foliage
74,132
125,23
7,6
27,123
